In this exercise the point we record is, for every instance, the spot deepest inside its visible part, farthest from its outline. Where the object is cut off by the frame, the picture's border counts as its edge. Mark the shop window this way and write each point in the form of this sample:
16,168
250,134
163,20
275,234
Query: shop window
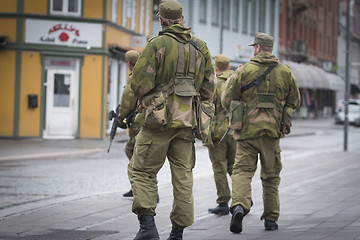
65,7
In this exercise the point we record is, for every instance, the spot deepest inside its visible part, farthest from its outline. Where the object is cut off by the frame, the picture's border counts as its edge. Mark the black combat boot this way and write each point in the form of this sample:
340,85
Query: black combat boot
147,229
236,219
176,234
270,225
221,209
128,194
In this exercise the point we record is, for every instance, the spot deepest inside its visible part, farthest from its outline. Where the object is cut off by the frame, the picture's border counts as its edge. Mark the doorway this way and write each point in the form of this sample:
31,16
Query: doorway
61,110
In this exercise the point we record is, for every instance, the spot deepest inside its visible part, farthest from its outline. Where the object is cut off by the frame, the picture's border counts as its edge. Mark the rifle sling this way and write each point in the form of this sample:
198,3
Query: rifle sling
258,80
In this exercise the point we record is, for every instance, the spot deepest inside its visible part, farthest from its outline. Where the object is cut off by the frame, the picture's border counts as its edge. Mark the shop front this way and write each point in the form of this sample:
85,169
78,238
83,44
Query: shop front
319,90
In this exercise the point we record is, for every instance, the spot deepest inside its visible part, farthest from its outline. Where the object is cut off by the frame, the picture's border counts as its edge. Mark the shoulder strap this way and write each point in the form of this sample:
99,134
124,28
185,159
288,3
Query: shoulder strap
258,80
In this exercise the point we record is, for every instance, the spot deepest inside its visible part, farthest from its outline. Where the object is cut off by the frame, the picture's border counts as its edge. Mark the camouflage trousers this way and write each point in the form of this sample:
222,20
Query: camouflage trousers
244,169
151,149
222,156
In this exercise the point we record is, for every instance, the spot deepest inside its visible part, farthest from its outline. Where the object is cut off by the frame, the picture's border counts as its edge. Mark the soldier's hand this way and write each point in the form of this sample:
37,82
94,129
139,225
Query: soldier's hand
122,125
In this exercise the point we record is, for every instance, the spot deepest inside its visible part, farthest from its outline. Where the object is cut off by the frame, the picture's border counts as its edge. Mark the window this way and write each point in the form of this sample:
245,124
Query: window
245,16
262,14
226,17
114,8
203,10
236,16
129,14
253,18
272,17
215,13
65,7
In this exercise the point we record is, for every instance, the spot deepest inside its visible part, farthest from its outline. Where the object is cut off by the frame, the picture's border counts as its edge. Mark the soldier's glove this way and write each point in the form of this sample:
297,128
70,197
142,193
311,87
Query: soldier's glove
286,124
122,125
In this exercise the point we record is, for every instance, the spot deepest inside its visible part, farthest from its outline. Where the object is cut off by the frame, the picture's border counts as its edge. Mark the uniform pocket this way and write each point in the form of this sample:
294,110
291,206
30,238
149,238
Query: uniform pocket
155,111
184,86
205,115
266,101
142,147
236,116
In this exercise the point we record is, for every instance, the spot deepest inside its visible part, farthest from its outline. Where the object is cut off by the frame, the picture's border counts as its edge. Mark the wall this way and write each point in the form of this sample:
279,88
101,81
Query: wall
90,99
7,92
29,119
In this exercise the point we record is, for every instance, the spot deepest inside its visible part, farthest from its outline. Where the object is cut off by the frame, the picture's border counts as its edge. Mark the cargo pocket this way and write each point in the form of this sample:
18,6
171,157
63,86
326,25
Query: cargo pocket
184,86
236,116
143,145
205,114
155,113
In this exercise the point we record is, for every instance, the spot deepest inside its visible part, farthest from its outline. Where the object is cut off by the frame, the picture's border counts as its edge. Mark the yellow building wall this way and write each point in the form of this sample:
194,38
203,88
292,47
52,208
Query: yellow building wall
7,92
8,28
105,113
36,6
91,81
8,6
29,119
93,9
120,39
108,10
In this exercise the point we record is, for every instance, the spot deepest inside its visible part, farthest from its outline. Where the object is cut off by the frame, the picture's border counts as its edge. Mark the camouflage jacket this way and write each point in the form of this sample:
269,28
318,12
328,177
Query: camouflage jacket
157,65
259,121
128,101
221,120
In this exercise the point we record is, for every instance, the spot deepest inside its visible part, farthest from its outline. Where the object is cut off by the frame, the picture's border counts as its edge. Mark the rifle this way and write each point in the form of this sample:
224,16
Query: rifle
125,124
115,116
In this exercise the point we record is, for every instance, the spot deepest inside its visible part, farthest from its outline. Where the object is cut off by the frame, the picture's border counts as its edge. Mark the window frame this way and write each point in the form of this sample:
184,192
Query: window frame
215,13
236,16
65,7
203,9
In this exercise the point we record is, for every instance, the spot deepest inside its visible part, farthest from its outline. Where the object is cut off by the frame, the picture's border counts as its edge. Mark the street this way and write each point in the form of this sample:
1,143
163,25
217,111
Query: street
318,181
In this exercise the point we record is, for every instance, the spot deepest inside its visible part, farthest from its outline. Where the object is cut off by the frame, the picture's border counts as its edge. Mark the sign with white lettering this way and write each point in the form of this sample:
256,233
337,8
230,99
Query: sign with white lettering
72,34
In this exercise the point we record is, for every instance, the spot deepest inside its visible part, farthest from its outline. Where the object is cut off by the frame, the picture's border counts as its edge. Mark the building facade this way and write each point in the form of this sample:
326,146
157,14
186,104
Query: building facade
229,26
354,46
308,44
62,65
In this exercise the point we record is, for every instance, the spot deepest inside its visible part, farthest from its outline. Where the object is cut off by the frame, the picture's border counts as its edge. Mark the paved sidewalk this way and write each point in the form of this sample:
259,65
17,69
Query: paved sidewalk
320,199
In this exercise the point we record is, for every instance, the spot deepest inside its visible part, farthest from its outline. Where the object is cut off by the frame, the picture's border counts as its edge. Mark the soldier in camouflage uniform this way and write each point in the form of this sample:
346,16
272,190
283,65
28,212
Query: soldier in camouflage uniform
169,75
128,100
222,155
263,115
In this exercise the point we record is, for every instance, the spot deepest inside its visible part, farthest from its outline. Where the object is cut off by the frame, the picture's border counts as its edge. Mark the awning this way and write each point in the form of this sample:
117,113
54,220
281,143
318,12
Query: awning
354,88
313,77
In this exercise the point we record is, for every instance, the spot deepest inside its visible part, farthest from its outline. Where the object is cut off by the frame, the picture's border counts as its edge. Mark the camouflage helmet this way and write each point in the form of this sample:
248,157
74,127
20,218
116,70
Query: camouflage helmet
132,56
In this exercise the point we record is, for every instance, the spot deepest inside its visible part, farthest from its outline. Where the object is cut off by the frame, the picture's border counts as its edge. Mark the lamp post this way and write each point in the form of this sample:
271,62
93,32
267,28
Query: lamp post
346,120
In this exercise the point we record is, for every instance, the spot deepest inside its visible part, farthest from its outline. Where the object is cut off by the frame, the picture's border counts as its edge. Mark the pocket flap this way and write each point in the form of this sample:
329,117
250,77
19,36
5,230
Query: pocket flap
184,86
